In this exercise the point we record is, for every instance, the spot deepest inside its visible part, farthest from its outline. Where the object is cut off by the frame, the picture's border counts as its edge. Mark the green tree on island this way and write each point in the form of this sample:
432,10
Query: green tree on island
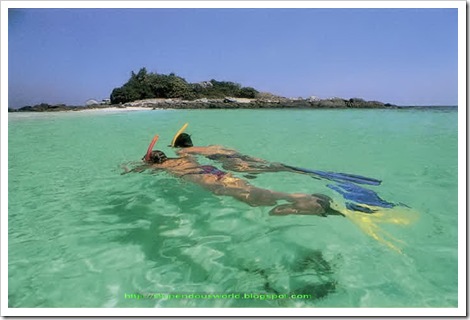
144,85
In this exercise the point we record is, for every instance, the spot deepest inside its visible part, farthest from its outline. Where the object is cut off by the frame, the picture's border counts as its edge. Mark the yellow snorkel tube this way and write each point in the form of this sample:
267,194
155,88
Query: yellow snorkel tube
180,131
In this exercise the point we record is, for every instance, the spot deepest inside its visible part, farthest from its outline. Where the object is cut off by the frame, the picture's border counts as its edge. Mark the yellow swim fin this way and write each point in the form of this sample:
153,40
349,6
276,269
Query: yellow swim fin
370,223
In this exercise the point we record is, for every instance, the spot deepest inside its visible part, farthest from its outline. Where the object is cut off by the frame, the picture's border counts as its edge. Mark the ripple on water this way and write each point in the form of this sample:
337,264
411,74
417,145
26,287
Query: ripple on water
83,235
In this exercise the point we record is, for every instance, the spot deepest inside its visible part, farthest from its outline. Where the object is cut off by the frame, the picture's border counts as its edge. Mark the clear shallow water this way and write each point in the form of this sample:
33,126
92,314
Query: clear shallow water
83,235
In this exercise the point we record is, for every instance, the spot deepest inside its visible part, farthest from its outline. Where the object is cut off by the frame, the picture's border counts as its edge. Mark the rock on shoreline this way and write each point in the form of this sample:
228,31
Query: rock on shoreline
226,103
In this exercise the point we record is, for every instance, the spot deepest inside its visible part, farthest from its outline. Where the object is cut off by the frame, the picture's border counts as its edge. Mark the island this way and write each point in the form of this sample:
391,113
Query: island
160,91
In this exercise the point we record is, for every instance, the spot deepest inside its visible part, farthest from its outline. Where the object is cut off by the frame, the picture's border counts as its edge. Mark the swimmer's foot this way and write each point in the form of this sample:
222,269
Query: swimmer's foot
325,202
250,176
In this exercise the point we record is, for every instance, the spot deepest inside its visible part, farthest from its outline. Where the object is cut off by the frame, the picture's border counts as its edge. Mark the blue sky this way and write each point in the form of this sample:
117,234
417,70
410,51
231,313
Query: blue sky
401,56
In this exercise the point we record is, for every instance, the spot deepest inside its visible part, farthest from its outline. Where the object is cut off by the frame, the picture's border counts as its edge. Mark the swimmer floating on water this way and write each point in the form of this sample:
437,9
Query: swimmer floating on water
343,183
362,206
235,161
223,183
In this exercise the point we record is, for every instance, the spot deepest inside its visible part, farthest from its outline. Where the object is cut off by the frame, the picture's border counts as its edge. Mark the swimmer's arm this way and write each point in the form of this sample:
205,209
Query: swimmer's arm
190,150
254,166
137,169
205,151
245,164
141,169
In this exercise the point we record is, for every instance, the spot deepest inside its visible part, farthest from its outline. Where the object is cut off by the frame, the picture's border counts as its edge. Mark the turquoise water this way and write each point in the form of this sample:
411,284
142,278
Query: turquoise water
83,235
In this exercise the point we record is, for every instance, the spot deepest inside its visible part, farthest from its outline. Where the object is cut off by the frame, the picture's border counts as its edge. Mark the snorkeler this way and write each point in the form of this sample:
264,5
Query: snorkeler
343,183
223,183
230,159
235,161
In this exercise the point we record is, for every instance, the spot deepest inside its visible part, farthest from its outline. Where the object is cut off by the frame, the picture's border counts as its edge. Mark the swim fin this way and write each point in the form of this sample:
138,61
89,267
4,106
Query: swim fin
356,207
338,177
361,195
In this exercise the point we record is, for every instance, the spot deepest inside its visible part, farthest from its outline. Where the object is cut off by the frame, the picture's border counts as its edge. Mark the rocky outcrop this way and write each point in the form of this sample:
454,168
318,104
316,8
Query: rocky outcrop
271,103
44,107
267,102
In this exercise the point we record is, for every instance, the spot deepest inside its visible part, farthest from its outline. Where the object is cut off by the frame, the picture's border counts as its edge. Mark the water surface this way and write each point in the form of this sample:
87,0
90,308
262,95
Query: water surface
83,235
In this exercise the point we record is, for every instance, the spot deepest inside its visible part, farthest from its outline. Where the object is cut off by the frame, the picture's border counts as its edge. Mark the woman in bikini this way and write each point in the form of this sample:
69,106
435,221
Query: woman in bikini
223,183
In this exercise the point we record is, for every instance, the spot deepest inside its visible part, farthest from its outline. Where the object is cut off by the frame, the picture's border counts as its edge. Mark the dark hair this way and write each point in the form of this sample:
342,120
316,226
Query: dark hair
183,141
157,156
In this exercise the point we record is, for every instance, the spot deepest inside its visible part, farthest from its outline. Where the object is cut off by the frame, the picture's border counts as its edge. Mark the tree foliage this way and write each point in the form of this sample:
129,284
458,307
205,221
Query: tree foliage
144,85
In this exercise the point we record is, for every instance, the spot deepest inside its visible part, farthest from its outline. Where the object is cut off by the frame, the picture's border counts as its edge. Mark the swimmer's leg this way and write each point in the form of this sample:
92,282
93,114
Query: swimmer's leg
316,204
252,196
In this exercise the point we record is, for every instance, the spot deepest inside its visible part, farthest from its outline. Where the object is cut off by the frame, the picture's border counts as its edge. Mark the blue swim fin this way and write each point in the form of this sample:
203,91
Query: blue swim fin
360,195
356,207
338,177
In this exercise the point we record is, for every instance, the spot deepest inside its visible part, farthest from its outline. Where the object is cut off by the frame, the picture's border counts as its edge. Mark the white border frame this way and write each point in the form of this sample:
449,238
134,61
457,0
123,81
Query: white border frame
462,192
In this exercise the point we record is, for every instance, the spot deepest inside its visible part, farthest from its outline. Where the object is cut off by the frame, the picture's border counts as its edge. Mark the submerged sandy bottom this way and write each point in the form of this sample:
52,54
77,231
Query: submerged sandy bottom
81,234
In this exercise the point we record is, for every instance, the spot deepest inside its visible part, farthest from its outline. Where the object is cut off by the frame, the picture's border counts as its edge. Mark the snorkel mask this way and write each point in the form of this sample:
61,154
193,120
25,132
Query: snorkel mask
150,156
181,139
158,157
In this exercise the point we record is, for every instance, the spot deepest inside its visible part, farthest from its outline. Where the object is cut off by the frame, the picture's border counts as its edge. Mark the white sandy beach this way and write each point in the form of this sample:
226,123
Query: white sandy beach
27,115
112,109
